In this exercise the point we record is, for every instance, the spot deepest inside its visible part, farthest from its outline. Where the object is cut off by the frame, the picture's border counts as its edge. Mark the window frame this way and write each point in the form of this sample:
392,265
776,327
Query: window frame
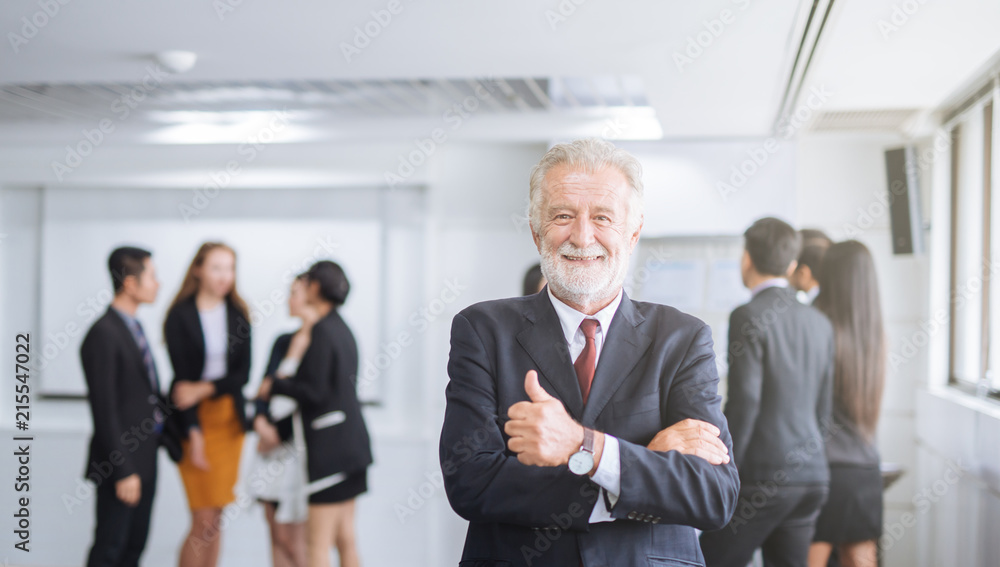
988,380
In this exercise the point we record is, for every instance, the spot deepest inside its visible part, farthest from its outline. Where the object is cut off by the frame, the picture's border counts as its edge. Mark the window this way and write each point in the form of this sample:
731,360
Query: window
974,342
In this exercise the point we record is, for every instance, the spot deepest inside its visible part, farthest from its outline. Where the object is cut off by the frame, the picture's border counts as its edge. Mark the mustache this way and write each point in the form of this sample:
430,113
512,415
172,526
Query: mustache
596,249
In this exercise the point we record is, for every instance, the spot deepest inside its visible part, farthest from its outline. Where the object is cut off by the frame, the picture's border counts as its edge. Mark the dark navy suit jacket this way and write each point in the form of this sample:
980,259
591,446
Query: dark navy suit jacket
122,403
656,368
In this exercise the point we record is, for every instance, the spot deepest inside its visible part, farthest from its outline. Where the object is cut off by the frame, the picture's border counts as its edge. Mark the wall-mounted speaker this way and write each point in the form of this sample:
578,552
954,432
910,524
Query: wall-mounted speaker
904,201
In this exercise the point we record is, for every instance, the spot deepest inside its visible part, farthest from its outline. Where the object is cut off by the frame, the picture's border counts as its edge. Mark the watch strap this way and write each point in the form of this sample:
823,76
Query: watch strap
588,440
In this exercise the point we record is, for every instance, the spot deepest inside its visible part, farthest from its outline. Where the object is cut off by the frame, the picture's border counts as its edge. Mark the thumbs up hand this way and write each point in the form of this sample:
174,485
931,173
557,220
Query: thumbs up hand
540,430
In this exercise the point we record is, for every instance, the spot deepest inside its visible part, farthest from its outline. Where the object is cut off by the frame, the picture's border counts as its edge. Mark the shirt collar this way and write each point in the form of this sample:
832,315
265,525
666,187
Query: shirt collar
773,282
125,316
570,318
812,293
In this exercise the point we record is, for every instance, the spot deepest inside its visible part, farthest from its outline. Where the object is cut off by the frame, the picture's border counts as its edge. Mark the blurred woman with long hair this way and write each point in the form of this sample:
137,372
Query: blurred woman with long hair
851,520
207,331
338,449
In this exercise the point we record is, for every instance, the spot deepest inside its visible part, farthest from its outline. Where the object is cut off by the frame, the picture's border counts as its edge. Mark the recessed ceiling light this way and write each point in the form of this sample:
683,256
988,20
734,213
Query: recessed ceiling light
176,61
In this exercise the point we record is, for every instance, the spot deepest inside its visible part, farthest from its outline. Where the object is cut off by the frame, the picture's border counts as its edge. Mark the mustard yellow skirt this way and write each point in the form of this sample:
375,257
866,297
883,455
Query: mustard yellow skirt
213,488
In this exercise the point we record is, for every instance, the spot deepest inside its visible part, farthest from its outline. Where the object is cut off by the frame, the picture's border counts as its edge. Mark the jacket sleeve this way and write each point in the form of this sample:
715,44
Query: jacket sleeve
485,483
100,368
745,382
263,407
179,361
678,488
312,382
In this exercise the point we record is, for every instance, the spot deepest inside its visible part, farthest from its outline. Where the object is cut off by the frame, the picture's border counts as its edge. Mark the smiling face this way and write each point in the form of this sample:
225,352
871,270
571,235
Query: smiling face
584,236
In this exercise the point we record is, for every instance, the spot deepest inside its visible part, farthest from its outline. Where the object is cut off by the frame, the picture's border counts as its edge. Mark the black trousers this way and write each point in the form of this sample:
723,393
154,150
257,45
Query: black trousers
121,530
777,519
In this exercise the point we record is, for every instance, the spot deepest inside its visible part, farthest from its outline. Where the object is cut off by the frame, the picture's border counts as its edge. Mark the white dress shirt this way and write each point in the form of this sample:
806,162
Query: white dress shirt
608,474
773,282
215,328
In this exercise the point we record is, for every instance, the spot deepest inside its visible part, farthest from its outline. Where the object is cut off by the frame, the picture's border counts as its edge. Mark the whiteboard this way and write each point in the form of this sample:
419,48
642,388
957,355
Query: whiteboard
276,234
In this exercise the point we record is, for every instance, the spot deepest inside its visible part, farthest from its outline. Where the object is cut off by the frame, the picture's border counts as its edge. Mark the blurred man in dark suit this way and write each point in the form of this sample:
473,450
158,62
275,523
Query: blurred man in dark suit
779,398
128,412
582,427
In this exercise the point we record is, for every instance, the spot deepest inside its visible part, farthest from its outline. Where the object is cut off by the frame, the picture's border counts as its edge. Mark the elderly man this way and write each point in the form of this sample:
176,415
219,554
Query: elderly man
582,427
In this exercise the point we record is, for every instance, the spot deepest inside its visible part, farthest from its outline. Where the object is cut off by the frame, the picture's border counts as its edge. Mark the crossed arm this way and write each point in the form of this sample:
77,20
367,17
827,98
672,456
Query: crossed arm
674,477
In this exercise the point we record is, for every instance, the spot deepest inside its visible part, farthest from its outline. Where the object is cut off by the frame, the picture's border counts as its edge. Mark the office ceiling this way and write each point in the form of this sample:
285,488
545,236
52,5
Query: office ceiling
392,69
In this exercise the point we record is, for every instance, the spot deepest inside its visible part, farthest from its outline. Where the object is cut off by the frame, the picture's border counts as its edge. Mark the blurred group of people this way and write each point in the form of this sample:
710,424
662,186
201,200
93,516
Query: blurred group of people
574,410
313,447
807,363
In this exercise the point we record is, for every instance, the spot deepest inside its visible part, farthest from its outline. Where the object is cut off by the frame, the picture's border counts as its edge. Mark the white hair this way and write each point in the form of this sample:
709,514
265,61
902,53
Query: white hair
590,155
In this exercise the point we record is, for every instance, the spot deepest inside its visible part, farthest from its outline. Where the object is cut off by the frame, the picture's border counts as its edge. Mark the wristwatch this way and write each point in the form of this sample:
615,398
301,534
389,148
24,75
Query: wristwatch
582,461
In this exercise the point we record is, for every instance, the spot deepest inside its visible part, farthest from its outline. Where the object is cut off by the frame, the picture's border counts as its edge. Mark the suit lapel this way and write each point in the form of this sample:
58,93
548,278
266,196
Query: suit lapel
125,336
624,346
193,323
545,344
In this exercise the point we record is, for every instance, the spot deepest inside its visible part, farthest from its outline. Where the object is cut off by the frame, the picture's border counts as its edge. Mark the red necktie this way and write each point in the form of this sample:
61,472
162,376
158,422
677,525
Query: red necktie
586,362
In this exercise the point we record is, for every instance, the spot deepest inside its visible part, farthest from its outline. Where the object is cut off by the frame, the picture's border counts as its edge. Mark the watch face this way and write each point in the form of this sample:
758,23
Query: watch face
581,462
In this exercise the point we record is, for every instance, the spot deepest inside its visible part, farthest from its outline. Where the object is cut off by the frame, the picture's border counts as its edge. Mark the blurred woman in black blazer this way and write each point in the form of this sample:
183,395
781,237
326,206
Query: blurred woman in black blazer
208,339
338,450
281,457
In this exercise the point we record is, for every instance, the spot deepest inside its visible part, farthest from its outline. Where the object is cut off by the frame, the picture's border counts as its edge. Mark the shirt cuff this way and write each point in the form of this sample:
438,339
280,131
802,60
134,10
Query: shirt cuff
609,477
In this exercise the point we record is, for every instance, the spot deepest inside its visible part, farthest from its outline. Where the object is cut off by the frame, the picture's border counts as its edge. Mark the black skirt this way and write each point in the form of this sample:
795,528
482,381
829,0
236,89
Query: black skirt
853,511
356,483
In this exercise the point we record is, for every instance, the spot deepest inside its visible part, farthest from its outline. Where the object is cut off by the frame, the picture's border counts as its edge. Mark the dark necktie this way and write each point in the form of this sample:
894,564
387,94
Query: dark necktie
147,360
147,355
586,362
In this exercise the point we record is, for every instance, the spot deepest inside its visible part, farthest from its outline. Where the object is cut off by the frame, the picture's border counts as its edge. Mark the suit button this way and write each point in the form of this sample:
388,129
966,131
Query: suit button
152,399
656,520
641,517
631,515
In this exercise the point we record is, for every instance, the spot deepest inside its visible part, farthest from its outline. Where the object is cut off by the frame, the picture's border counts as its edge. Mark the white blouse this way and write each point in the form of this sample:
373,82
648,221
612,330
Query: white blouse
215,329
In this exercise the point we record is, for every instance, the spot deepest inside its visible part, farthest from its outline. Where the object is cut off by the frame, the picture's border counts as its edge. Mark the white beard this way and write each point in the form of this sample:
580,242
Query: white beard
582,284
